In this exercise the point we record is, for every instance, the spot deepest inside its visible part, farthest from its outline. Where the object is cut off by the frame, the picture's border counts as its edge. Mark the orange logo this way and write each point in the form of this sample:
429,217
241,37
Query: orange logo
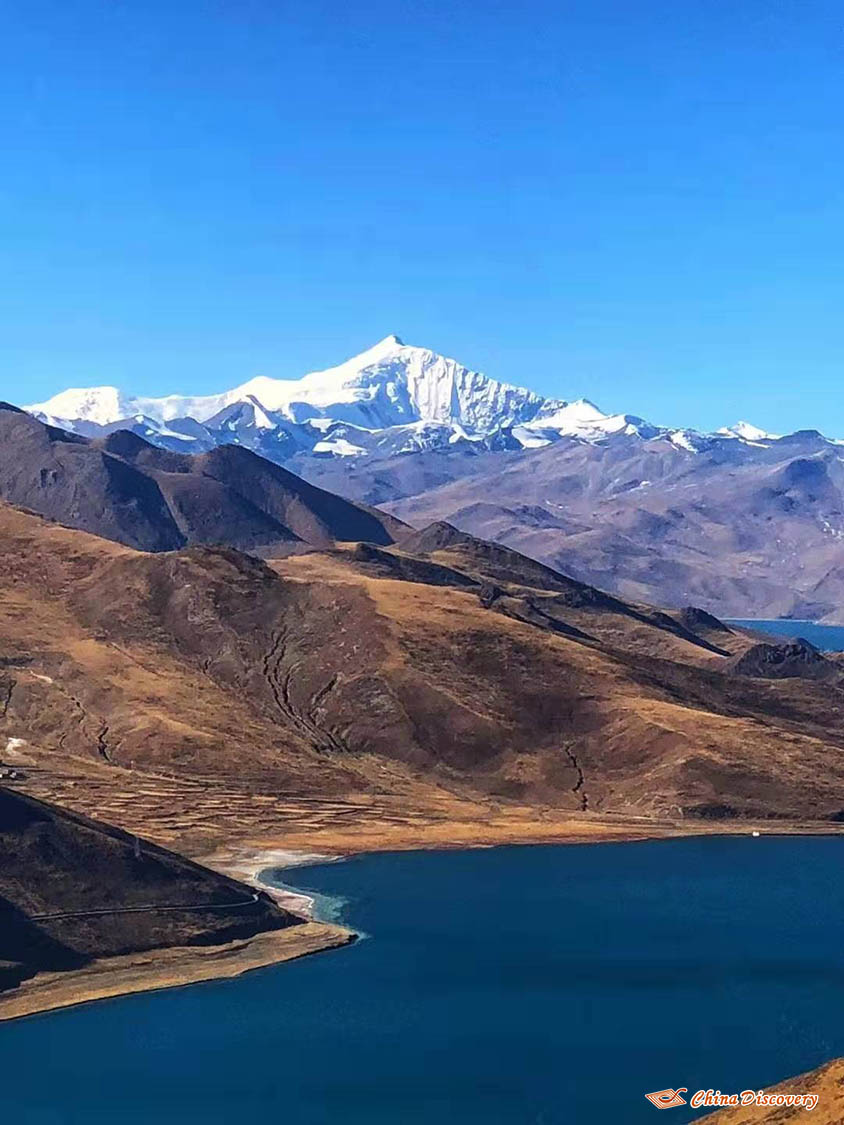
668,1099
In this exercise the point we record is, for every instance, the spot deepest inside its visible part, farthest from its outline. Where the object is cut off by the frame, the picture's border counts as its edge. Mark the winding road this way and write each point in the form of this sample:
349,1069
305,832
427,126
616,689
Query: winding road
145,909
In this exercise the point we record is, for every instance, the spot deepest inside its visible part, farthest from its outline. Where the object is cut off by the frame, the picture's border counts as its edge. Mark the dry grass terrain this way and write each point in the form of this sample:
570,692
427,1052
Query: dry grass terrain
438,693
441,693
827,1082
202,695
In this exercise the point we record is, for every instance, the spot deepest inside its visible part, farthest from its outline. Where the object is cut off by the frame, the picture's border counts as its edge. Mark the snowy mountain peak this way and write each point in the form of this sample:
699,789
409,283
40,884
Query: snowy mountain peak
746,431
91,404
391,398
389,384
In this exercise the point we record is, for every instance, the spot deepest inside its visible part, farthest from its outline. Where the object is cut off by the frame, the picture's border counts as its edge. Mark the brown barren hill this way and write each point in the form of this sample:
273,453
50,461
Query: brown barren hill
123,488
355,675
443,691
73,891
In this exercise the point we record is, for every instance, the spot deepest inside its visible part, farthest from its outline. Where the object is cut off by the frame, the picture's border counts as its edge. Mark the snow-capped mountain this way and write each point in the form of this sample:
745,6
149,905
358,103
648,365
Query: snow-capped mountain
391,399
390,384
740,521
748,432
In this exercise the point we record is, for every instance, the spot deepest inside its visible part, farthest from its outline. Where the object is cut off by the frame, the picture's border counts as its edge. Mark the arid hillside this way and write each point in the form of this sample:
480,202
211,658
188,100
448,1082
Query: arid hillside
125,489
61,876
744,530
183,690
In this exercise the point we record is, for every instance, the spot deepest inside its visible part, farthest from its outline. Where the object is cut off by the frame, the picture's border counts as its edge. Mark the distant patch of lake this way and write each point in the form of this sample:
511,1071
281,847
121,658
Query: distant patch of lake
829,638
508,986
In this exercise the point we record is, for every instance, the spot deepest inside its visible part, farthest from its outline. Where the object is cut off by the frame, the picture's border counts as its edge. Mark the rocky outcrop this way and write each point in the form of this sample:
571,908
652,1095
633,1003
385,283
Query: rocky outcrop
796,658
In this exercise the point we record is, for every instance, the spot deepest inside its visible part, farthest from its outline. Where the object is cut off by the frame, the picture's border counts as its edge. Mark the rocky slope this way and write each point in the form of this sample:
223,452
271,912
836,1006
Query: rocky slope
740,530
449,669
125,489
826,1085
54,863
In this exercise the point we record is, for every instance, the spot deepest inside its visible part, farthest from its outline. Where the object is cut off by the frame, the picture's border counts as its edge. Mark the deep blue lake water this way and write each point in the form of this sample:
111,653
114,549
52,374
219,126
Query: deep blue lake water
827,637
535,985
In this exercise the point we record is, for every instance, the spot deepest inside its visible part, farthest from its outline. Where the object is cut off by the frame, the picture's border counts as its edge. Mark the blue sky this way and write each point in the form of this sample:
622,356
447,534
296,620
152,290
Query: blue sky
638,202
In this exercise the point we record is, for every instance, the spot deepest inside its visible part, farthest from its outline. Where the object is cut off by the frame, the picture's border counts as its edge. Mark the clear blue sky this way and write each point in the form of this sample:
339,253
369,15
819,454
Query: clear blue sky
638,202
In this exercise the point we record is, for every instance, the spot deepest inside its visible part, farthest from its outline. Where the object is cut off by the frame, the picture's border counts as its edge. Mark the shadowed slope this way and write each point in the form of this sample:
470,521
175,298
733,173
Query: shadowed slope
64,477
124,489
54,863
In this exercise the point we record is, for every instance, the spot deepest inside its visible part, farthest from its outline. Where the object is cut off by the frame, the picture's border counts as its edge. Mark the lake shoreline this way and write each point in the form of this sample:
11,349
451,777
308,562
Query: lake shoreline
245,861
152,970
159,970
173,967
826,1079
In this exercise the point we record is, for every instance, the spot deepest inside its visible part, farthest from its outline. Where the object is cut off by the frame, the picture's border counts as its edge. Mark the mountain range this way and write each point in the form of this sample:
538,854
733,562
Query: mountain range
348,652
740,521
403,679
213,655
393,398
123,488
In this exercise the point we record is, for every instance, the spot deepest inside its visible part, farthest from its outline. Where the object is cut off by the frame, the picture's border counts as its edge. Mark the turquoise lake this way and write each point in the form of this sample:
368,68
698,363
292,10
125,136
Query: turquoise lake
827,637
536,985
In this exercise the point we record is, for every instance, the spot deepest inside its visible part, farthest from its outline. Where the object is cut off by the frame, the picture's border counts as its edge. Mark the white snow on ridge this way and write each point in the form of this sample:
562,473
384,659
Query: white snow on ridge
160,429
389,384
569,417
338,446
583,419
684,439
94,404
528,439
393,397
261,420
746,431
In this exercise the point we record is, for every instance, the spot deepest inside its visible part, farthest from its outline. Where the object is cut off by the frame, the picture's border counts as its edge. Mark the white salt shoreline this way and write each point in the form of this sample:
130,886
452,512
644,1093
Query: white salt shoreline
249,867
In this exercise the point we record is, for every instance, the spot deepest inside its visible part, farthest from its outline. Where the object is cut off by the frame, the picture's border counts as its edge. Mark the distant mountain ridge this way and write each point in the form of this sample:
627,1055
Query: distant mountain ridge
740,521
392,398
744,529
